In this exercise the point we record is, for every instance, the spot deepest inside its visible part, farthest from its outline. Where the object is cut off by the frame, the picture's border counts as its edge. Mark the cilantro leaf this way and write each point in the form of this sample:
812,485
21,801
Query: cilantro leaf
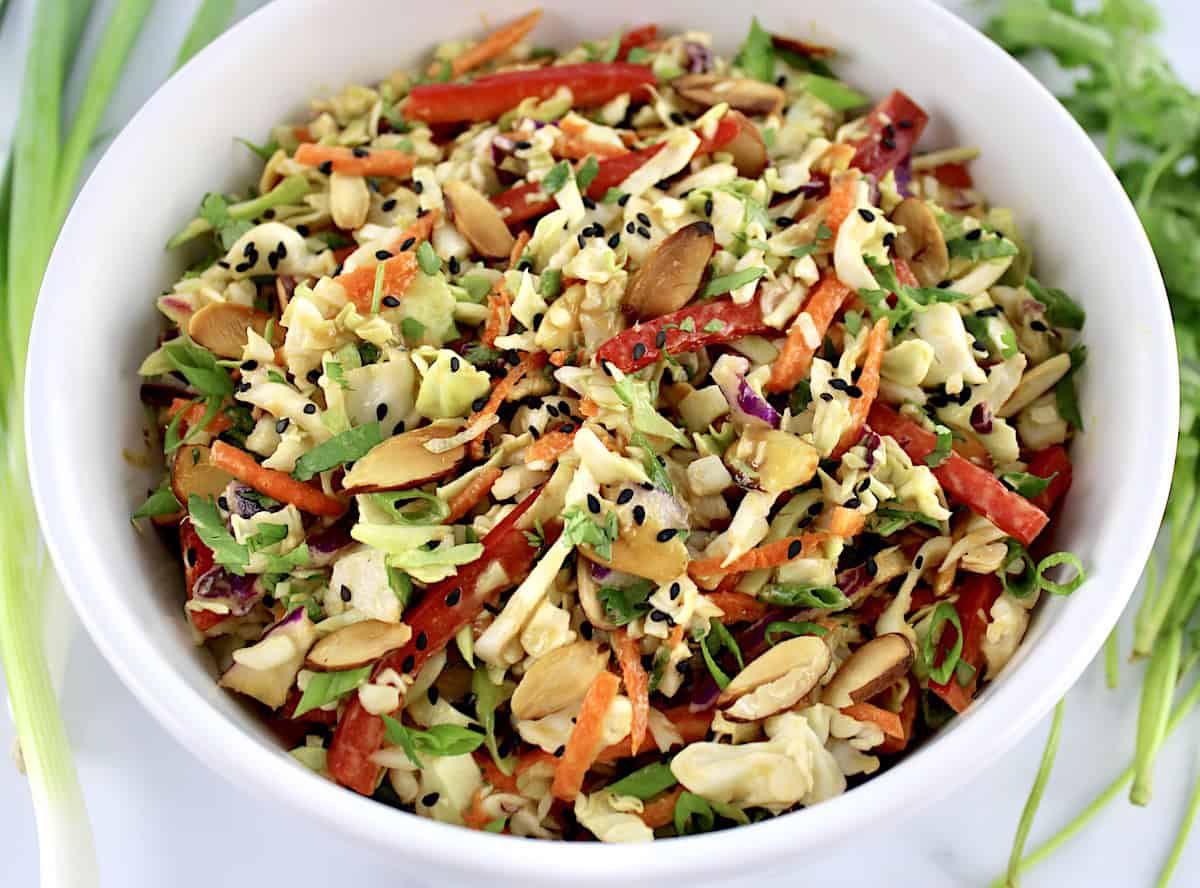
624,605
579,528
1061,309
1026,484
727,282
210,527
199,366
887,521
161,502
214,210
587,173
940,453
340,449
325,687
439,740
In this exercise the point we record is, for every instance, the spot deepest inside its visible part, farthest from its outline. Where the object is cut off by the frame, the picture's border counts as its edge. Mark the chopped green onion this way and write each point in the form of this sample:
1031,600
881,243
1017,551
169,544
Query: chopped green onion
732,281
1035,797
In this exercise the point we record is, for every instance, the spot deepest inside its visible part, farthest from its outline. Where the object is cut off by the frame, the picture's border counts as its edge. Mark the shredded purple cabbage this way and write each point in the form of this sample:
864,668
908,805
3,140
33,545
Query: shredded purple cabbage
753,404
700,57
981,418
219,586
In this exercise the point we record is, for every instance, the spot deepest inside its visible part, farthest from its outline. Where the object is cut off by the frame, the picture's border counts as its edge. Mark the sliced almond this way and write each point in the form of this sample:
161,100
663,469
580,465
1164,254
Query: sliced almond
740,93
402,462
557,679
877,665
1034,384
805,653
748,148
478,220
192,473
638,551
357,645
775,696
921,244
672,272
221,327
589,598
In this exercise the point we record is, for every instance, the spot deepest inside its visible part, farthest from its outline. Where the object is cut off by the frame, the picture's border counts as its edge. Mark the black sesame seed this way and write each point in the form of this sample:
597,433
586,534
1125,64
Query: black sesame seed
588,203
624,496
243,266
795,547
852,503
639,351
454,597
677,118
838,385
310,409
223,503
566,428
675,590
889,144
989,312
399,429
942,285
381,411
346,593
647,486
558,753
1038,326
666,535
871,567
867,215
453,265
623,199
313,376
658,616
221,263
537,320
534,432
388,205
614,240
593,504
552,410
785,222
302,230
708,207
408,664
781,80
249,365
660,339
564,407
390,301
919,562
430,799
273,261
359,151
644,219
407,245
523,145
974,234
433,694
854,391
281,426
418,187
191,556
825,396
815,508
455,364
644,232
581,240
383,255
889,238
639,515
422,641
630,227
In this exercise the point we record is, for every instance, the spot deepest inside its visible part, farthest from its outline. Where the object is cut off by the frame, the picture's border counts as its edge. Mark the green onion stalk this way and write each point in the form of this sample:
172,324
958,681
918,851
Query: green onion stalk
36,188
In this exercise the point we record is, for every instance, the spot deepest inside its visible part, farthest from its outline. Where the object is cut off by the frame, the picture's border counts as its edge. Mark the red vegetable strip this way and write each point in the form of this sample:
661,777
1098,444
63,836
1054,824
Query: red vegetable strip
953,175
868,382
590,83
637,686
908,716
197,561
631,40
377,162
1053,461
843,195
962,480
887,720
737,607
584,743
445,608
637,347
277,485
894,126
495,44
795,360
975,599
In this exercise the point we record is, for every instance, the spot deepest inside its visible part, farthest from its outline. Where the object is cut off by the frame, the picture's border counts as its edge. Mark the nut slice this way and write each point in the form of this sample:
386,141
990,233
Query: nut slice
478,220
192,473
671,273
807,654
877,665
557,679
741,93
221,327
921,244
402,462
638,551
748,148
357,645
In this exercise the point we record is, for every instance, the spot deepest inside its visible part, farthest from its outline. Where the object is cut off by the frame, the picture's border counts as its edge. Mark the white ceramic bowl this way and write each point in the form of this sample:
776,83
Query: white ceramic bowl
96,321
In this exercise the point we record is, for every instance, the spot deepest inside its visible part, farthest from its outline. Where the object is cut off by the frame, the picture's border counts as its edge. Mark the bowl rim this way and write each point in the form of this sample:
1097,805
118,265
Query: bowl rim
918,781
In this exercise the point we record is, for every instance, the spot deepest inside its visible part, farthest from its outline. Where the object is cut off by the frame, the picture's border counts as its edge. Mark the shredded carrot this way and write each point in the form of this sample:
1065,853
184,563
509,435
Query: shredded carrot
842,522
794,361
660,810
676,636
549,447
193,413
868,382
531,362
398,273
843,195
302,134
737,607
277,485
377,162
575,144
534,757
692,726
558,357
637,686
519,245
419,231
887,720
584,743
471,495
475,817
492,46
492,773
499,314
767,555
588,407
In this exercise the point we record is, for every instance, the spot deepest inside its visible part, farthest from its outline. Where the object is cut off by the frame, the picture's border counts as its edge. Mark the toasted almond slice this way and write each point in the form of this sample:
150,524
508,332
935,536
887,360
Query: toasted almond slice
748,148
775,696
478,220
402,461
671,273
357,645
192,473
921,244
638,551
221,327
806,653
1034,384
877,665
741,93
557,679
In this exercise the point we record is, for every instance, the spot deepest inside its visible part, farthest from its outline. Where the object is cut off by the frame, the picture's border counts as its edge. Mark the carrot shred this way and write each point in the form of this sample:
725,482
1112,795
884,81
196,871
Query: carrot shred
692,726
660,810
193,413
474,817
737,607
588,407
499,314
519,246
842,522
398,271
574,143
493,45
302,134
549,447
377,162
637,686
558,357
768,555
530,362
471,495
843,195
496,778
277,485
794,361
868,382
676,636
887,720
584,743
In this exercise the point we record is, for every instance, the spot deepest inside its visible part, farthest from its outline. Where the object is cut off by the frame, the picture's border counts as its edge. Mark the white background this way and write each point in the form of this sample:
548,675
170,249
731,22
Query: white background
162,819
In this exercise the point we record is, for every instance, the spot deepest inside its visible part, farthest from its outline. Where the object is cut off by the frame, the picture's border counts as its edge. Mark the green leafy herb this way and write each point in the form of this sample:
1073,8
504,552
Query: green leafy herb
554,180
942,614
496,826
688,325
401,585
337,373
214,210
199,366
587,173
801,397
1066,399
264,151
487,700
981,248
227,551
887,521
644,783
909,300
803,250
439,740
338,450
325,687
480,354
638,55
824,232
727,282
834,93
853,321
757,55
637,396
792,628
579,528
267,535
800,595
1026,484
612,195
695,814
655,469
1061,309
161,502
624,605
940,453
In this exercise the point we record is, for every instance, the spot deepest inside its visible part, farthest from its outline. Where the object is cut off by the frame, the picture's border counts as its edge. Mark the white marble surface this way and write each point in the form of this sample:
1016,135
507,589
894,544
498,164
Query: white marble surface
163,819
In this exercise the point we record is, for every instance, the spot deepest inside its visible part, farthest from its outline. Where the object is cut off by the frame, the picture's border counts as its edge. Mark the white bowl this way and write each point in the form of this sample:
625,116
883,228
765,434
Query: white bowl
96,320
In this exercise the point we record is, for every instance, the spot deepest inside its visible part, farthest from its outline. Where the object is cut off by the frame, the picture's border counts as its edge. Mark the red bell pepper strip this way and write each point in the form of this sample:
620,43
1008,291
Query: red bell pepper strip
486,98
527,201
631,40
953,175
197,561
444,609
638,346
1052,463
975,599
894,126
963,480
